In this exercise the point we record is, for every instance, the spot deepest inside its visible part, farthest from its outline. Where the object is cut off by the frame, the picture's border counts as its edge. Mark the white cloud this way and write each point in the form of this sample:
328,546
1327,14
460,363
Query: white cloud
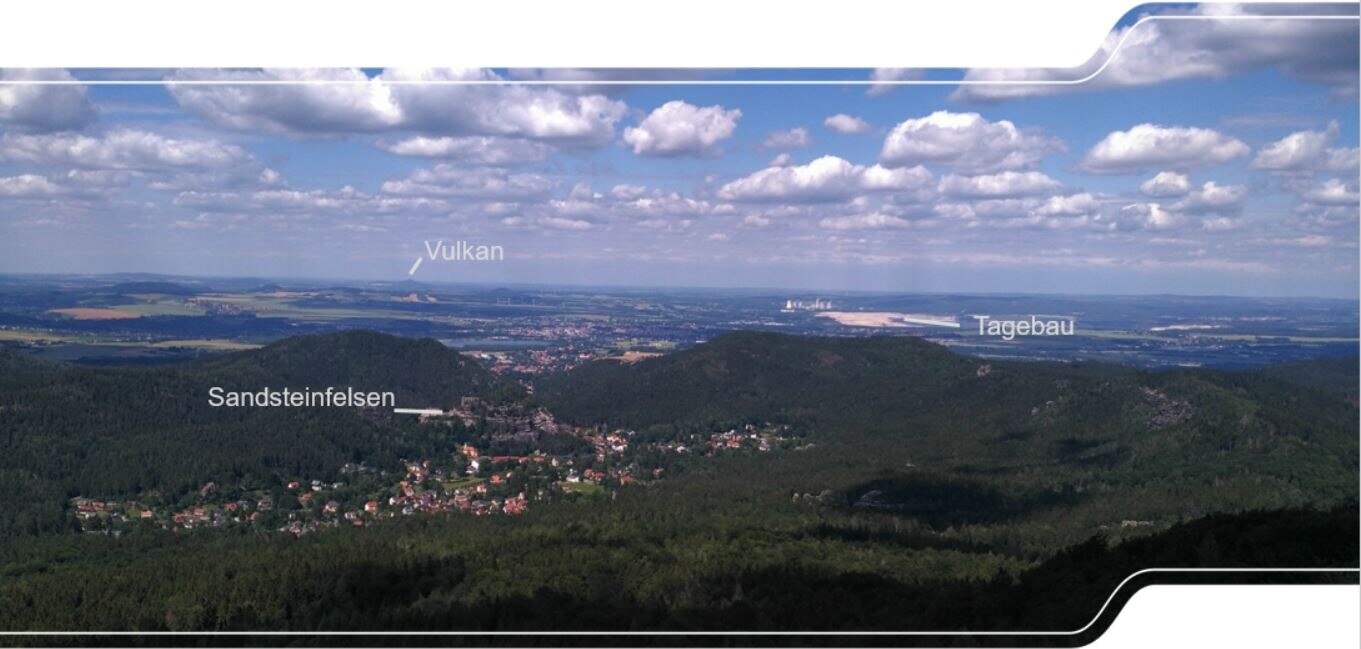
870,221
356,103
889,75
30,108
1333,192
1220,224
561,223
123,149
828,178
794,138
113,159
1053,212
756,220
1213,197
781,160
476,150
451,181
1007,184
1167,184
1152,216
1321,51
1072,205
677,128
625,192
965,141
1152,145
28,186
847,124
1306,151
272,202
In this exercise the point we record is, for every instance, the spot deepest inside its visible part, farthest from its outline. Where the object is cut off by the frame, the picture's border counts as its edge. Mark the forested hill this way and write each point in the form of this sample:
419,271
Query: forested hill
422,372
68,430
756,375
745,376
933,422
1338,375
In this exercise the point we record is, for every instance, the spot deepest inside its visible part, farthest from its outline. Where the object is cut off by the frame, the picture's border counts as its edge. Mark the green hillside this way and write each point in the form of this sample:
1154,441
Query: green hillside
916,488
951,441
69,430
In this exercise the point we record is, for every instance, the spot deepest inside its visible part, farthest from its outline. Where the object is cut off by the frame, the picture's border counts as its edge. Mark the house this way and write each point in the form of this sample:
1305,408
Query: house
331,507
371,507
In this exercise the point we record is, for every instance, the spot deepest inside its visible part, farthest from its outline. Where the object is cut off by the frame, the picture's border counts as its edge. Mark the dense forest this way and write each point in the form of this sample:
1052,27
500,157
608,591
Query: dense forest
70,430
926,490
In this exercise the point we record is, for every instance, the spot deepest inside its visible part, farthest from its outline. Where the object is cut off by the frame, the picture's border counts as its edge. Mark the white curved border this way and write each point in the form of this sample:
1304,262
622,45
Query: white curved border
697,82
688,82
1079,631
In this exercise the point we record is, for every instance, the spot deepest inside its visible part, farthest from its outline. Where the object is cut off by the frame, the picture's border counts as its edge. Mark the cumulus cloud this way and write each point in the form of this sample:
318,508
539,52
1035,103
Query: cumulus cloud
965,141
1213,197
1152,216
1071,205
1333,192
347,201
626,192
1007,184
123,149
562,223
1152,145
828,178
113,159
794,138
1151,52
870,221
847,124
1307,151
635,204
429,102
1054,212
1220,224
28,186
486,183
756,220
475,150
1167,184
677,129
886,76
29,108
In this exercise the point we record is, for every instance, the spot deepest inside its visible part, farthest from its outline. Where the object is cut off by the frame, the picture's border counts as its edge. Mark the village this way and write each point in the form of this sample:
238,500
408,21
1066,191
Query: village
468,481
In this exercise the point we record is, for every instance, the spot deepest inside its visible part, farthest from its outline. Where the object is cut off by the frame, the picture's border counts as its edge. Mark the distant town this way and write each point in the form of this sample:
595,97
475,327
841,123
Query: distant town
470,481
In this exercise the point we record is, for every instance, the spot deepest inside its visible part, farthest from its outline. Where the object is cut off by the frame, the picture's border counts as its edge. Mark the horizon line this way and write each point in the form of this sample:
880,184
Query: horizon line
675,287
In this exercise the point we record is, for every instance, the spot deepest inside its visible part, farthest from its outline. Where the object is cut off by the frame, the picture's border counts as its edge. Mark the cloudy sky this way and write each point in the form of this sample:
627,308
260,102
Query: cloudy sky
1208,156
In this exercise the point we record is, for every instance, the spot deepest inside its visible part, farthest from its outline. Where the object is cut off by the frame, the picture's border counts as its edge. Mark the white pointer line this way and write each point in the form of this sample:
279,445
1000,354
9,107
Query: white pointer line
938,323
415,266
418,411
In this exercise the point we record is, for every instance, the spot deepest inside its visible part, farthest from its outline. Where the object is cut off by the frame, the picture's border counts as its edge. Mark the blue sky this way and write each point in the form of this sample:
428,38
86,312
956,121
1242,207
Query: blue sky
1209,156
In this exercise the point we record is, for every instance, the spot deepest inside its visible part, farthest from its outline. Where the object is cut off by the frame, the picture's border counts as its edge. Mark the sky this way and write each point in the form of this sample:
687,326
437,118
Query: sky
1205,157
